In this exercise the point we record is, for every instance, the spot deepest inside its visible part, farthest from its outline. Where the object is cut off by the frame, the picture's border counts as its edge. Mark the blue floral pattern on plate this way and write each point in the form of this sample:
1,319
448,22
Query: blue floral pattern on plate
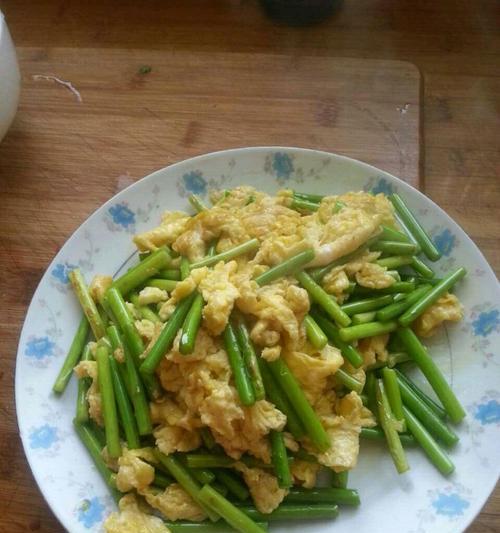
195,183
383,187
61,272
43,437
91,512
282,165
488,412
448,505
120,217
445,241
482,325
45,421
377,185
39,348
451,505
484,418
486,323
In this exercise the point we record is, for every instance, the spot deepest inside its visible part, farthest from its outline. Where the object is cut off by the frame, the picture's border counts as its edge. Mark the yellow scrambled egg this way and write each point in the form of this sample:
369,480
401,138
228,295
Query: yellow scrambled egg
304,473
313,368
343,424
174,503
131,519
373,349
448,307
374,276
336,282
133,472
99,286
219,294
263,486
152,295
172,225
88,369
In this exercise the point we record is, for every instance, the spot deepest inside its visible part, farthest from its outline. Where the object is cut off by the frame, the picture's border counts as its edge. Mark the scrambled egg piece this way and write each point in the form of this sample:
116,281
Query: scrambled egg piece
344,233
133,472
172,225
304,473
250,433
247,432
167,412
356,264
170,439
374,276
290,442
220,410
219,294
183,289
175,504
238,197
131,519
119,354
152,295
338,234
156,330
145,328
271,354
325,404
202,389
336,282
448,307
191,244
111,462
279,308
88,369
205,344
343,428
98,287
376,206
373,349
313,369
223,224
276,249
267,219
263,486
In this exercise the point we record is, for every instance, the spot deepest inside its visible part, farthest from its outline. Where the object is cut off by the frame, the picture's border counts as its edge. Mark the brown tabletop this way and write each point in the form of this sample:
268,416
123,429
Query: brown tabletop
449,131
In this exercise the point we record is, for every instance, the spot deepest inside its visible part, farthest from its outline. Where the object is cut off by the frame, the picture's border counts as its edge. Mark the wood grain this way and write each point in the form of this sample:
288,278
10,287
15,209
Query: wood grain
454,43
193,103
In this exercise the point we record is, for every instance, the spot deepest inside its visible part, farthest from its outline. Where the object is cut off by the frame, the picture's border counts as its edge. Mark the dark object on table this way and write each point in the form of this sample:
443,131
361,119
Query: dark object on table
300,12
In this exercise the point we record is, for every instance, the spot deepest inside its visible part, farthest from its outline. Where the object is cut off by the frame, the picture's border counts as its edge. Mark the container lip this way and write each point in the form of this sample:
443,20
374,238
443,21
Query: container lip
2,24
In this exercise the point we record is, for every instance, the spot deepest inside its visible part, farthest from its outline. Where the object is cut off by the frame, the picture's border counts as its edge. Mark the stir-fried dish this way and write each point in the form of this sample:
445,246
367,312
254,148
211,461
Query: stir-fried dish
251,348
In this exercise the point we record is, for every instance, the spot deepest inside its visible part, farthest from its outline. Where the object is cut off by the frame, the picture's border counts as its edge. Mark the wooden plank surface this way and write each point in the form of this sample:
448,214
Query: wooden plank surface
195,103
455,44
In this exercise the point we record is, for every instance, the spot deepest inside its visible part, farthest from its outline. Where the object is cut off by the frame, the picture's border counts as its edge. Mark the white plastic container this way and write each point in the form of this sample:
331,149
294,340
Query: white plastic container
10,79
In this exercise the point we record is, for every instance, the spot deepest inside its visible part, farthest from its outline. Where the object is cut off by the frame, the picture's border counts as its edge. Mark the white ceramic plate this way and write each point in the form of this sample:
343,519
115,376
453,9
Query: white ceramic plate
421,501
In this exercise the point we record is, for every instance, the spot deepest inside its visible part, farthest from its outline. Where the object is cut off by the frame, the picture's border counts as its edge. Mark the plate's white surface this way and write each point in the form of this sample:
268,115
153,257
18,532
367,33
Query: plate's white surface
421,501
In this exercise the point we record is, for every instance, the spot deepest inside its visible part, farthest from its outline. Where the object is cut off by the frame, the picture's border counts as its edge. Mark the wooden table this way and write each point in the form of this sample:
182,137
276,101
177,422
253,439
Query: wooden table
453,43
